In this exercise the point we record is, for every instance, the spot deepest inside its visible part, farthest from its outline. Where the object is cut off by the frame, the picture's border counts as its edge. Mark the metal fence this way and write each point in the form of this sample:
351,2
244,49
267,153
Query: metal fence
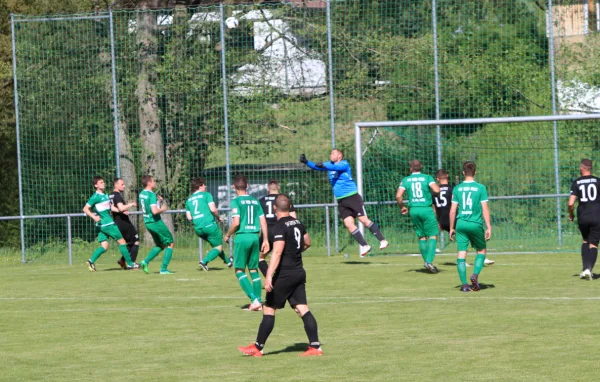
210,91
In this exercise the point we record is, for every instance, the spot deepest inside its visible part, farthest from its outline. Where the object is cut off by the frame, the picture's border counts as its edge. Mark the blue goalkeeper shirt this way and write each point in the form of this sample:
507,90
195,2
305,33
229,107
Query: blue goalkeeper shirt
340,177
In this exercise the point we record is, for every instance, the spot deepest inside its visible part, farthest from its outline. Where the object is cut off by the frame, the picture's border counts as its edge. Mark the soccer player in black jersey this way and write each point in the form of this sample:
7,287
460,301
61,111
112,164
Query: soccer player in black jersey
120,213
286,280
585,190
267,203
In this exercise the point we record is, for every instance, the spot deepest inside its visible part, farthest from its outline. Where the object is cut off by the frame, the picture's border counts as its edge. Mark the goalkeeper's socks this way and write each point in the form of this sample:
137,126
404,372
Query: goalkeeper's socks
462,270
423,249
358,236
97,253
431,246
246,286
264,330
263,266
478,264
374,228
312,331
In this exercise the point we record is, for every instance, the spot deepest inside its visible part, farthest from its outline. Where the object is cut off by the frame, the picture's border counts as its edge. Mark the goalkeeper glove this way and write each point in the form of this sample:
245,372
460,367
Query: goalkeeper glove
303,159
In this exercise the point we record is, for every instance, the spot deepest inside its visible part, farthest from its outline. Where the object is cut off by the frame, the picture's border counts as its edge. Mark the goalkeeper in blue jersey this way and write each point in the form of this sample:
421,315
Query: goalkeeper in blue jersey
350,203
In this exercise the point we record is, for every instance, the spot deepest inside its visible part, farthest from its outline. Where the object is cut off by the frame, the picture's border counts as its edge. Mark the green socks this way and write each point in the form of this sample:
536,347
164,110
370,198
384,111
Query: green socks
166,259
478,265
125,253
153,253
462,270
431,246
211,255
97,253
256,284
423,249
246,286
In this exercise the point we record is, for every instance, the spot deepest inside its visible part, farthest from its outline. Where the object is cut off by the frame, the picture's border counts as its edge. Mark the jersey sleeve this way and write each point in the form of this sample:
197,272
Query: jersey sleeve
117,198
430,180
314,167
484,194
188,206
403,184
278,233
209,199
235,208
574,188
91,201
340,166
152,200
455,196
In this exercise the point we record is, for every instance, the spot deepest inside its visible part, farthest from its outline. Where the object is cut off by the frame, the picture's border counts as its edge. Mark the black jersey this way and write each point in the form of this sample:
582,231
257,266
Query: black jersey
292,232
267,202
586,190
115,199
442,201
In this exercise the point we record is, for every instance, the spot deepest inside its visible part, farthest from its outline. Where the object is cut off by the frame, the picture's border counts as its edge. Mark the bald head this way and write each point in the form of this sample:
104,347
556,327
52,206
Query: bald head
282,204
415,165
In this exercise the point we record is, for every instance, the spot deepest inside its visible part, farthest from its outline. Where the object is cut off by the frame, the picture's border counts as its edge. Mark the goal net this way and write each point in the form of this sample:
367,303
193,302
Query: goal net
526,163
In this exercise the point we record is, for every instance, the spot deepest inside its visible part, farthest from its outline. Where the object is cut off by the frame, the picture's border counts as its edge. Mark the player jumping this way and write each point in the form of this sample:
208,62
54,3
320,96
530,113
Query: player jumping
585,190
417,187
286,281
200,208
267,202
105,225
350,203
470,211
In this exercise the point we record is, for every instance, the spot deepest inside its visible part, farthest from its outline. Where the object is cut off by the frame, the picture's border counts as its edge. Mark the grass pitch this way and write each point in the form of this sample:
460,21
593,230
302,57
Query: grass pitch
380,319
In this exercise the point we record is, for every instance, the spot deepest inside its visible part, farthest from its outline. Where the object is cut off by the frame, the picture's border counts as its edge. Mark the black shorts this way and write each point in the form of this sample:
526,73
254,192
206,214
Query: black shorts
444,222
352,205
128,231
287,286
590,232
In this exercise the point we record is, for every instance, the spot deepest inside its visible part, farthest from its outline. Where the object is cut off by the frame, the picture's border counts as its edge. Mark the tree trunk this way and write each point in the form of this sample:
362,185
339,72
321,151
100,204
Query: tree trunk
153,156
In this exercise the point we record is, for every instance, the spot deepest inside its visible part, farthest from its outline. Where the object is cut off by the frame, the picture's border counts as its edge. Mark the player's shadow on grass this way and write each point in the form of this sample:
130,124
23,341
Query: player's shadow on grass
362,262
426,271
112,269
449,264
211,269
295,348
482,286
595,276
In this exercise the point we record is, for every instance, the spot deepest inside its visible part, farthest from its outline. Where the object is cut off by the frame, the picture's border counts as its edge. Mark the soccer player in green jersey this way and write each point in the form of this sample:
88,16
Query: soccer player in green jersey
152,208
418,188
248,221
105,225
468,214
200,209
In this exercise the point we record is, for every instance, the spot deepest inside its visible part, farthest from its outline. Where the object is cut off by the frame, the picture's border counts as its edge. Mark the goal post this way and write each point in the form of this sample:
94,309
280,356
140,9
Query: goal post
534,151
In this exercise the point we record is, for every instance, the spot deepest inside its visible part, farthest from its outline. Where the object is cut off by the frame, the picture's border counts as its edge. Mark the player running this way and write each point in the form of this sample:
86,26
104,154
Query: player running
248,221
418,188
200,209
443,202
163,239
469,212
105,225
120,213
267,202
286,280
350,203
585,190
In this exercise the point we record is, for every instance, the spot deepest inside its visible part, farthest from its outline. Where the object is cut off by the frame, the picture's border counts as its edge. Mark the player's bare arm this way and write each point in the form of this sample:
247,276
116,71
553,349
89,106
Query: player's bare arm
453,219
87,210
125,207
235,224
571,207
435,189
485,210
399,195
188,215
307,242
278,247
215,212
265,235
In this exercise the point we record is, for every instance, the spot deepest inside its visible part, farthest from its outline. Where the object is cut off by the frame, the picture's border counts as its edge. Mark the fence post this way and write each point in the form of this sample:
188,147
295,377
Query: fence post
550,23
438,129
332,113
225,117
114,91
16,96
69,240
200,249
327,231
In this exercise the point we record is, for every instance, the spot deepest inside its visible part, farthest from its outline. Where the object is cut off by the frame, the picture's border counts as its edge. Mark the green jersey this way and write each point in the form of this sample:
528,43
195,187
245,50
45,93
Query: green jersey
101,203
417,189
469,196
249,211
147,200
198,205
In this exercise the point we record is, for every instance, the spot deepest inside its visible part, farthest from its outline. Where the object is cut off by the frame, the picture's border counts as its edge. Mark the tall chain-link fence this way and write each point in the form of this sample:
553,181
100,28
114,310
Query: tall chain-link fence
215,91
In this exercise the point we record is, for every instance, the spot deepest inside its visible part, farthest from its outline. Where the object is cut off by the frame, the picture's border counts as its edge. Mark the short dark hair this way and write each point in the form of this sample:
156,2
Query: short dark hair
240,182
115,180
587,163
441,173
415,165
339,151
145,180
282,202
469,168
197,183
272,182
96,179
